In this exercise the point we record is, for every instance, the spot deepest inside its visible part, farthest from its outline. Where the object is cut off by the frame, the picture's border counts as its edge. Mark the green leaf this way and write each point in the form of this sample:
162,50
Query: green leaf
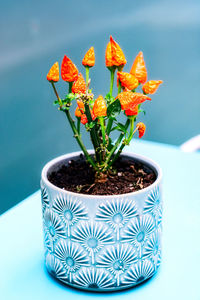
90,125
120,127
142,110
55,102
109,98
114,109
69,98
110,145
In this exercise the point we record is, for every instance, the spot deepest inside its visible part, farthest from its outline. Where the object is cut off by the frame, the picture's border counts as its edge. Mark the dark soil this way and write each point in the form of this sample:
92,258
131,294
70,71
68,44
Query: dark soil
128,176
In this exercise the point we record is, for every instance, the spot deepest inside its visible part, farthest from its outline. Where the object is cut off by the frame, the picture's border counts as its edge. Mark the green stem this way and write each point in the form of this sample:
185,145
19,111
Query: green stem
119,87
79,140
55,91
110,121
70,86
124,143
112,75
115,146
87,70
101,120
109,126
93,134
78,125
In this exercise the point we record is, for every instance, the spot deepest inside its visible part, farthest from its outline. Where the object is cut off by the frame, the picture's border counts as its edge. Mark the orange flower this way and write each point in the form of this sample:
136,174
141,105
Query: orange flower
139,69
114,55
79,85
151,86
53,74
78,112
108,56
127,80
69,71
99,108
81,106
132,111
141,129
84,119
89,58
128,98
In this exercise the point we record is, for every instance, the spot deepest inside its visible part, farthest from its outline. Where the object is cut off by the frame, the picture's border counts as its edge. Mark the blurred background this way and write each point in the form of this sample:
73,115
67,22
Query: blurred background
35,34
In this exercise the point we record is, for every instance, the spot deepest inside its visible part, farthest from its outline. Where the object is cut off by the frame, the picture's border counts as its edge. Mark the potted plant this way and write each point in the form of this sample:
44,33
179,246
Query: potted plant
102,209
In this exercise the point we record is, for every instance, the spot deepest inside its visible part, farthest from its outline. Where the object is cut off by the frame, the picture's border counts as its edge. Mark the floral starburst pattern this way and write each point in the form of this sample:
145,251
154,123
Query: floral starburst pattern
70,210
71,256
94,279
139,272
53,228
44,198
55,267
117,259
92,236
138,230
152,249
153,203
117,213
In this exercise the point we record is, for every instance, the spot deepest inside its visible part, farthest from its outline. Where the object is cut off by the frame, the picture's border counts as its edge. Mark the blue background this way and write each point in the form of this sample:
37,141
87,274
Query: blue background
34,34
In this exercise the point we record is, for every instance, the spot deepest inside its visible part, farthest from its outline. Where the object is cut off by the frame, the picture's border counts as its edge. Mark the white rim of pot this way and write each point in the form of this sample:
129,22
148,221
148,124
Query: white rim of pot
72,155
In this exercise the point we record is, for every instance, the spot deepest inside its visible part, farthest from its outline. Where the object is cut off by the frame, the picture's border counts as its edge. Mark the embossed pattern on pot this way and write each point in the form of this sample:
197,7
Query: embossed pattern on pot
102,243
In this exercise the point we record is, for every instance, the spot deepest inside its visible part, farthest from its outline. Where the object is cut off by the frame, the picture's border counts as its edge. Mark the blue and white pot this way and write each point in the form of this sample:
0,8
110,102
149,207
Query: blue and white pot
102,243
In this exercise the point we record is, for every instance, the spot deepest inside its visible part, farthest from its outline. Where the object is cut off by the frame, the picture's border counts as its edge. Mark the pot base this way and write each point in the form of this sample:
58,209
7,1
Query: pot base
93,289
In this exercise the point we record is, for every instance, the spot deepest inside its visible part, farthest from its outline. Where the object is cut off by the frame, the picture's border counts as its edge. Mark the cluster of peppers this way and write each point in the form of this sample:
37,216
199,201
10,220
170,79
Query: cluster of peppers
99,116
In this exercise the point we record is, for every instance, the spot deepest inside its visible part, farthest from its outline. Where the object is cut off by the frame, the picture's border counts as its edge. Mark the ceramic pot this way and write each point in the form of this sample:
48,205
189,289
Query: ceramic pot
101,243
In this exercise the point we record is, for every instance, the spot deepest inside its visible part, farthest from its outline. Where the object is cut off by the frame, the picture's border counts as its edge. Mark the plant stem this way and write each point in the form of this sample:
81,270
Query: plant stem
112,75
78,125
93,133
70,86
101,120
119,87
79,140
109,126
87,69
107,163
110,121
55,91
124,143
75,131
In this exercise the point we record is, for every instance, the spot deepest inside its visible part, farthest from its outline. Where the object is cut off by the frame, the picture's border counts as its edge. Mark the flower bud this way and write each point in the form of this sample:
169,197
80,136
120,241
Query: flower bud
139,69
151,86
53,74
89,58
69,71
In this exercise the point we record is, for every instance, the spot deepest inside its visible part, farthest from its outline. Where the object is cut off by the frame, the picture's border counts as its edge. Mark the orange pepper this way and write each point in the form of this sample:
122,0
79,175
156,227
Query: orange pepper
79,85
114,55
53,74
89,58
128,98
84,119
69,71
99,108
78,112
132,111
141,129
151,86
81,106
108,56
139,69
127,80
